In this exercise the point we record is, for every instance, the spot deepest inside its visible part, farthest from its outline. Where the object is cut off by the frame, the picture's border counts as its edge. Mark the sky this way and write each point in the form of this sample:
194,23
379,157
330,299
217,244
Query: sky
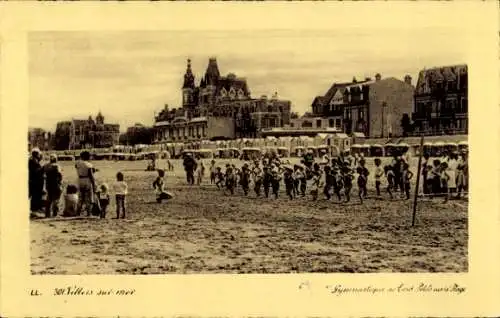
129,76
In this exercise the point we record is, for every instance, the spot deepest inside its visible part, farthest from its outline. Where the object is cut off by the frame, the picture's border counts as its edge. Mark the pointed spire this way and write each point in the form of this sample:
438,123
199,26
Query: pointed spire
99,118
188,77
212,74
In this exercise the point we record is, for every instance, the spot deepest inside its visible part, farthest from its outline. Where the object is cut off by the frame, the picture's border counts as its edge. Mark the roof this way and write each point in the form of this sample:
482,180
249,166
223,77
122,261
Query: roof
229,82
162,123
198,119
443,73
335,87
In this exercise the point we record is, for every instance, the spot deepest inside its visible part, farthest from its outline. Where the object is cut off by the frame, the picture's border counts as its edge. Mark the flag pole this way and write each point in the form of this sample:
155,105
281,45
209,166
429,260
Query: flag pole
421,152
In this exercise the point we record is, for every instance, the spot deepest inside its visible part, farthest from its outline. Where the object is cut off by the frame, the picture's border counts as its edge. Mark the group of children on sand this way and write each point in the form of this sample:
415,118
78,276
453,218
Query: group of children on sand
441,177
100,201
337,177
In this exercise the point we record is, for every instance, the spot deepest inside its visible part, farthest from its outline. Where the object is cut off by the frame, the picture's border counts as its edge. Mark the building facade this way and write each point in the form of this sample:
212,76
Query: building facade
308,123
371,107
441,101
220,107
137,134
86,133
39,138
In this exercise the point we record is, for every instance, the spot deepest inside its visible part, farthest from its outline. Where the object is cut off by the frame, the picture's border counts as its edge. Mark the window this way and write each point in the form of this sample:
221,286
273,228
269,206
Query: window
361,114
318,123
232,93
331,123
337,122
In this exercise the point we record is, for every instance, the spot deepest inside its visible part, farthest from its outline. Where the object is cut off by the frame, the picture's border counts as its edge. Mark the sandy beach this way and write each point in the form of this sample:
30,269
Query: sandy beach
202,230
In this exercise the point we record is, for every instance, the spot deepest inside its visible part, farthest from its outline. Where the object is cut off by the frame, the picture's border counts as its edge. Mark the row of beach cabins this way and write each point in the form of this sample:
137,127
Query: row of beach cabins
322,144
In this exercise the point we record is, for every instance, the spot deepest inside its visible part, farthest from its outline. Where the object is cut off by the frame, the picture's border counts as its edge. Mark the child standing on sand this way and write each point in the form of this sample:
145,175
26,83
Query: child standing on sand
230,179
275,180
200,172
257,178
316,185
389,174
361,183
379,172
347,180
245,178
407,175
213,172
289,182
445,179
120,188
219,178
103,196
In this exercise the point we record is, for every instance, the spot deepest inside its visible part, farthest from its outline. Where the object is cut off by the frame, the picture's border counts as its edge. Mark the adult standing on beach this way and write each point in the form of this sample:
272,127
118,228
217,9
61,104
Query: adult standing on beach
86,182
35,180
189,166
53,183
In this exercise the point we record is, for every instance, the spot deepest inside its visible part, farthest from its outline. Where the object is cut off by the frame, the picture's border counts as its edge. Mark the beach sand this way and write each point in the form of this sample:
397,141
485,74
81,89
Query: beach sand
202,230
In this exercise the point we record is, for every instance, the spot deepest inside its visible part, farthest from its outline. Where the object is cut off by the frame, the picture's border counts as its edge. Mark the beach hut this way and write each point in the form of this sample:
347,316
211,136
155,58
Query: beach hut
298,151
463,146
437,148
251,153
451,146
65,158
323,150
270,151
205,153
271,141
283,152
313,150
306,141
356,149
376,150
234,152
403,147
390,149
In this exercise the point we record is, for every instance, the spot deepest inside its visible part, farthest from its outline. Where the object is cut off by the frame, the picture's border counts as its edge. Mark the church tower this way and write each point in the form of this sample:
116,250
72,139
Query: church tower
209,82
100,119
188,87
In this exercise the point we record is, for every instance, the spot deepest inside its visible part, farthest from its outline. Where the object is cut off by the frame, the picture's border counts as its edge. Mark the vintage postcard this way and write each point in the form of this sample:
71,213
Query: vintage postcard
271,159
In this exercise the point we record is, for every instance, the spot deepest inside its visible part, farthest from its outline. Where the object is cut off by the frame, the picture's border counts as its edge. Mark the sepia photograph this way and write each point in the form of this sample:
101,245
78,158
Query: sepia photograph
248,152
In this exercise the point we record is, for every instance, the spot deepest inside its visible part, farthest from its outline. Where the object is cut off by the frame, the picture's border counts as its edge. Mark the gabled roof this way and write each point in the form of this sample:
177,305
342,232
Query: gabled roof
443,73
319,100
339,86
229,82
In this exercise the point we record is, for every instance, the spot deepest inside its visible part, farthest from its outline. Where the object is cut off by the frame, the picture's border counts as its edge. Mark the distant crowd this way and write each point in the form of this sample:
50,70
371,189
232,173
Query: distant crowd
336,177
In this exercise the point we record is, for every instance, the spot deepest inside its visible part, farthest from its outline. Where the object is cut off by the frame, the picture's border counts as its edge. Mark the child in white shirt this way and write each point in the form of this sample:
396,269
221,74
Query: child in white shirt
121,190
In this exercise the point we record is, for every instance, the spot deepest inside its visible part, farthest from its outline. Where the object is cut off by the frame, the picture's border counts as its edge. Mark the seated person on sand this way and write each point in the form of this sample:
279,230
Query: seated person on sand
71,201
159,186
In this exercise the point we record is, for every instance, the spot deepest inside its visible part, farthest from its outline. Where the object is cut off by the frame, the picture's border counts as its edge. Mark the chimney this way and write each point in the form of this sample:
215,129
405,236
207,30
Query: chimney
354,80
408,79
378,77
